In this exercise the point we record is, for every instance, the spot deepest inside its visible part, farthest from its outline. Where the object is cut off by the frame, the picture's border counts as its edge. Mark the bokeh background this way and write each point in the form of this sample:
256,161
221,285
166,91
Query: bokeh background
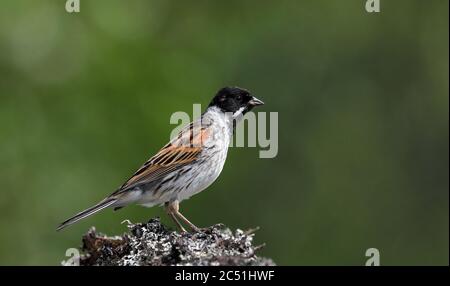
363,103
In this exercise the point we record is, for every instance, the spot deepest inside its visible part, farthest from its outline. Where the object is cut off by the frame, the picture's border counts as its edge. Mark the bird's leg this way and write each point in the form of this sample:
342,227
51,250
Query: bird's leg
171,213
176,212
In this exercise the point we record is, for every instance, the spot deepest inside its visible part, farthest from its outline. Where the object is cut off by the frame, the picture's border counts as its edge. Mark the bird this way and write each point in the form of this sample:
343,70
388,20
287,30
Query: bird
185,166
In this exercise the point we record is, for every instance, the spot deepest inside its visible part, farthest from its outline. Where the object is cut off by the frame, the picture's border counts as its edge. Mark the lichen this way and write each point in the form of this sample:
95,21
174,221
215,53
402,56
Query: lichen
152,244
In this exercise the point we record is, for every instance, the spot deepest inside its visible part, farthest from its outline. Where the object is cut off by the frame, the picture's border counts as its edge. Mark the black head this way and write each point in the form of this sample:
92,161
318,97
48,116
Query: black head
232,99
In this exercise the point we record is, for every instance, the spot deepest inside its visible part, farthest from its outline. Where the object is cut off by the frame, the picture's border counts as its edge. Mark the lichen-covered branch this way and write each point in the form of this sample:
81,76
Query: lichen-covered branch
152,244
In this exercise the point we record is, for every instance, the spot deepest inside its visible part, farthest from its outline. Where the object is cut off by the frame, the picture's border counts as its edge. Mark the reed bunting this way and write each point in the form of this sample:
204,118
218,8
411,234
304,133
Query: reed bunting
187,165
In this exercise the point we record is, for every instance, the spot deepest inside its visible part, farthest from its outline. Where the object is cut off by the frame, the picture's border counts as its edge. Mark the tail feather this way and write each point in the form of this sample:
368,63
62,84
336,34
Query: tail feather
84,214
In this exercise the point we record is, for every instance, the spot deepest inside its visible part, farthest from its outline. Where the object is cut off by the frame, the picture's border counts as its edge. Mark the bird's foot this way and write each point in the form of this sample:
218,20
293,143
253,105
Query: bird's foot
200,229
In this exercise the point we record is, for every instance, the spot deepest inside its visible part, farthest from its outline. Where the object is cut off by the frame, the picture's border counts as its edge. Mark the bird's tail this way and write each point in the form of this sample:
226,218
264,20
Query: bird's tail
90,211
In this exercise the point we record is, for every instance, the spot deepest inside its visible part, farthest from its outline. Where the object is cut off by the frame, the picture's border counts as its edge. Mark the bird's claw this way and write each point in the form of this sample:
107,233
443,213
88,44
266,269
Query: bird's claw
200,229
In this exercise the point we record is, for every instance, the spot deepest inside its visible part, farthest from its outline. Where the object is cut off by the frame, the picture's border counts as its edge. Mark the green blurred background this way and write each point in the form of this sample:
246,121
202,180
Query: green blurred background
363,121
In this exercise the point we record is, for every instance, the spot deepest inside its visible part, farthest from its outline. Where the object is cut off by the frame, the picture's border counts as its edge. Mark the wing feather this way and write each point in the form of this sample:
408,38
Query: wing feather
181,151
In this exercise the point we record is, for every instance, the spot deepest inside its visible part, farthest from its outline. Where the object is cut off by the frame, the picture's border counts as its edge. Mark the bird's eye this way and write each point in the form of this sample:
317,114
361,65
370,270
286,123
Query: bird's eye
239,97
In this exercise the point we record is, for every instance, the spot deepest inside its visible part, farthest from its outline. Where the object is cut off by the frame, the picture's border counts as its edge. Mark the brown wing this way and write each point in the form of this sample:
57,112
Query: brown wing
181,151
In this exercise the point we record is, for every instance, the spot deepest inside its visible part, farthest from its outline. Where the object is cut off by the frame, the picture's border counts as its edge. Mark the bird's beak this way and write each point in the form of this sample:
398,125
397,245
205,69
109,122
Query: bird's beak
255,102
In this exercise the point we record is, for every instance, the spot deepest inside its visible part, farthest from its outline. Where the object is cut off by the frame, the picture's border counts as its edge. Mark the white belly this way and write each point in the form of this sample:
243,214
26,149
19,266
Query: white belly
204,176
